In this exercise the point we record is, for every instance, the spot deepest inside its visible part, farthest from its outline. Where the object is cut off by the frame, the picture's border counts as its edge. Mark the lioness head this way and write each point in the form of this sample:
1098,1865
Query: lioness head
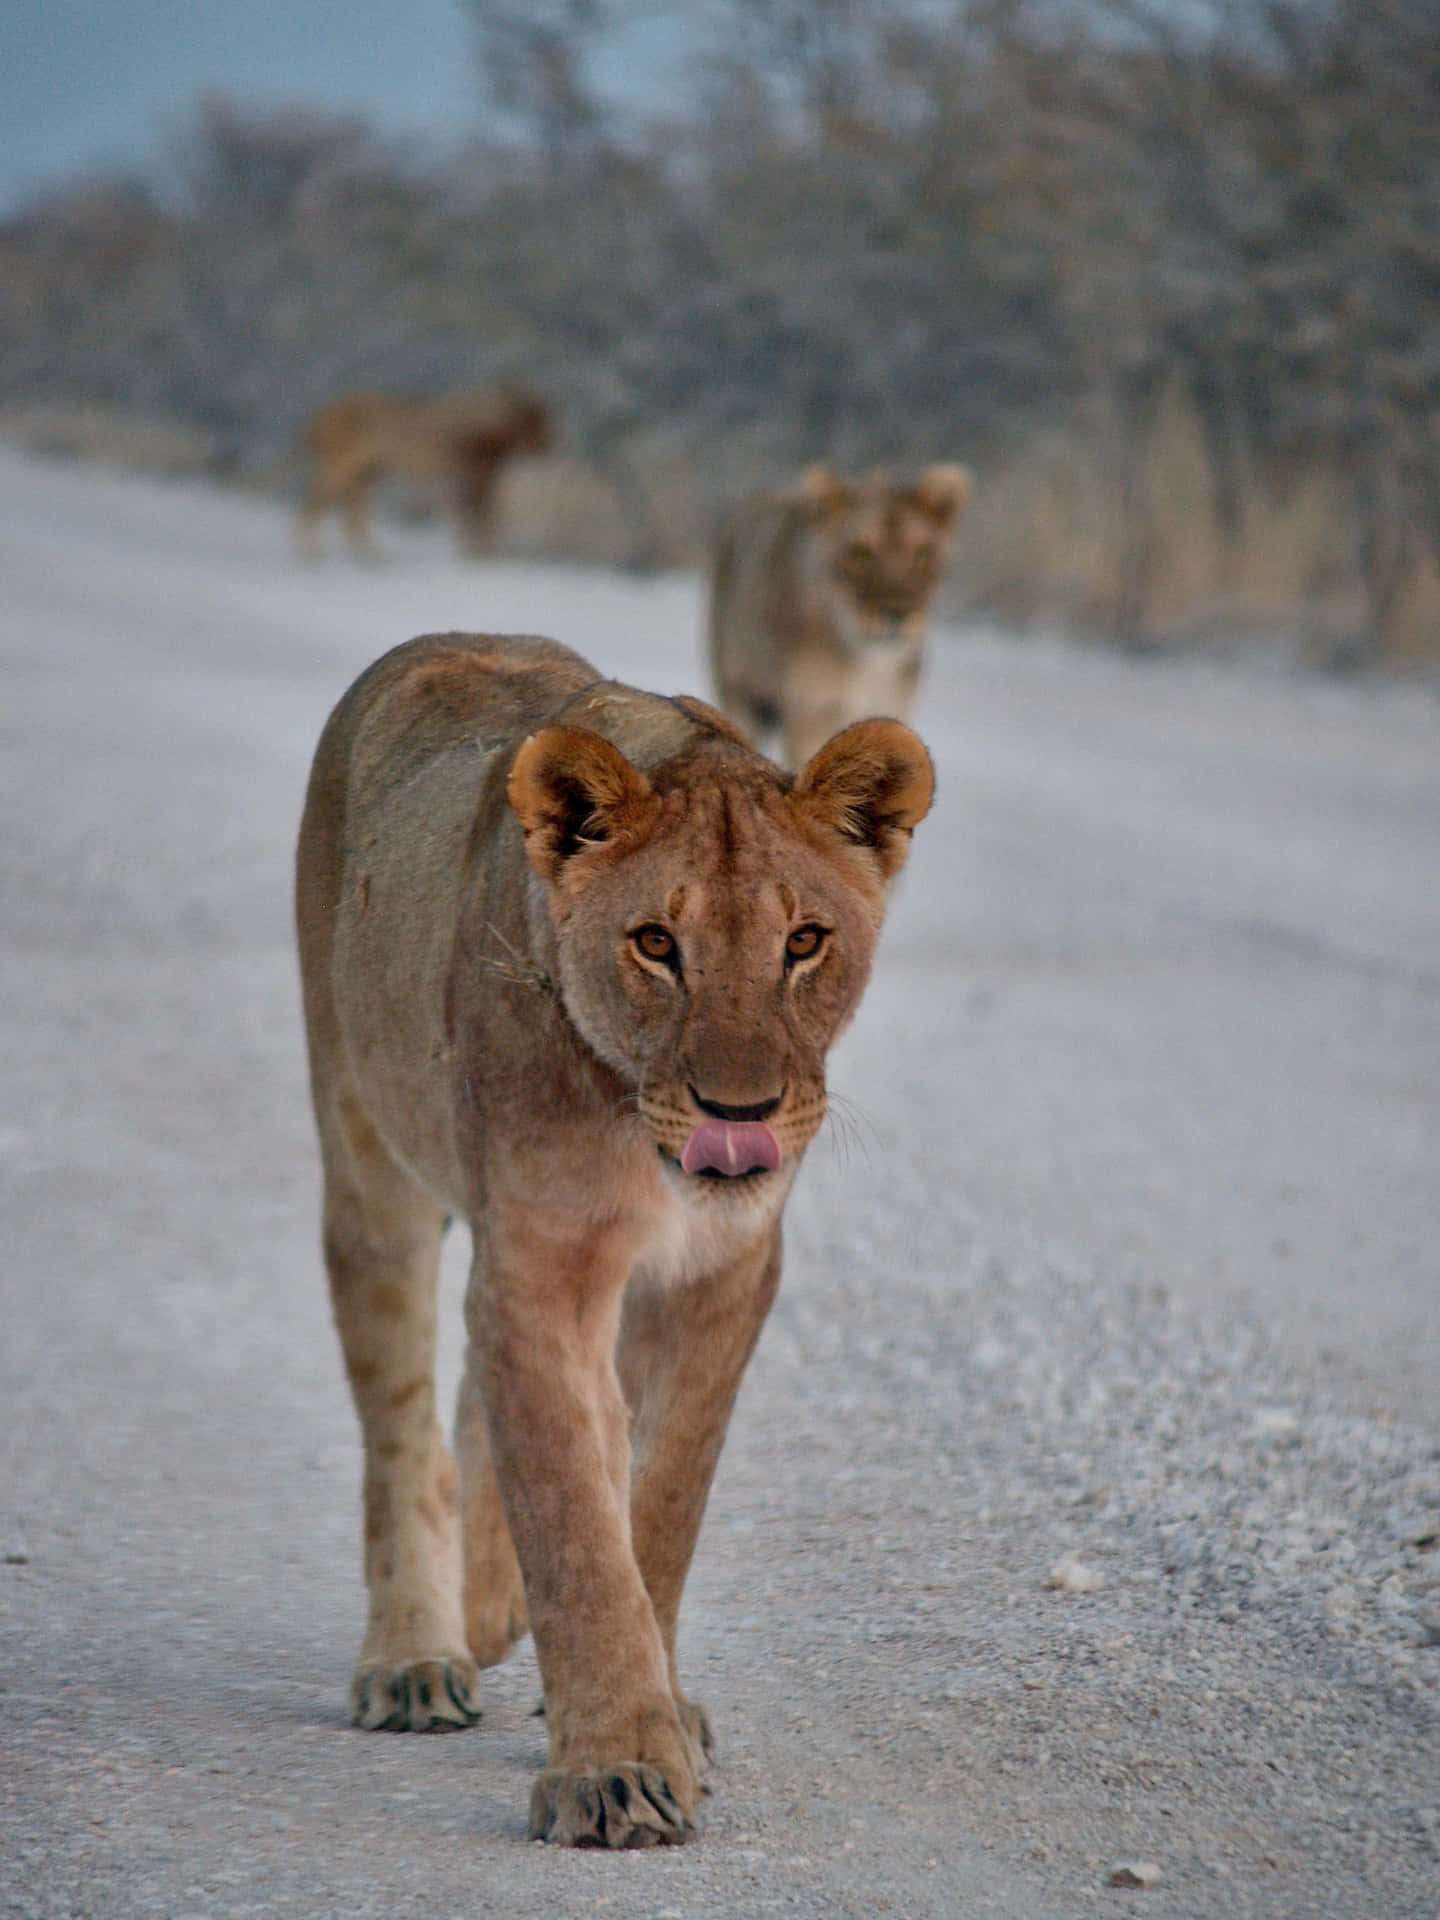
714,922
514,422
882,547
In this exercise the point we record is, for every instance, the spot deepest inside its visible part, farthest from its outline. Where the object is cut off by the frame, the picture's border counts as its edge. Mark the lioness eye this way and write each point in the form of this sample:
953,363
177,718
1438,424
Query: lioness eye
656,943
803,942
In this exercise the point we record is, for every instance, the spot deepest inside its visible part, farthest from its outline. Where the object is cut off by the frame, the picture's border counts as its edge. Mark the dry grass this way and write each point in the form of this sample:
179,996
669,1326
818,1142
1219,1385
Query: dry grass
1080,529
1041,537
130,442
1412,637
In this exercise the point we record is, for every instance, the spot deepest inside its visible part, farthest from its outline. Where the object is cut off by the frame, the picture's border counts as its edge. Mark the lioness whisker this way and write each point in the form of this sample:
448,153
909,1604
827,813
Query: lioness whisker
520,970
504,971
852,1110
846,1127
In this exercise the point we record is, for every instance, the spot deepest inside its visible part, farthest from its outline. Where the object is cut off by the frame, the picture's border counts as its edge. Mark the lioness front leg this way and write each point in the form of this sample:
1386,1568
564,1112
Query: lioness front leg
682,1352
621,1769
382,1247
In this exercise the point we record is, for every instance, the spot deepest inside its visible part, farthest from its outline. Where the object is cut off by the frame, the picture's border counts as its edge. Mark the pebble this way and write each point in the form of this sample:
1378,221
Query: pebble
1071,1575
1276,1423
1135,1873
1413,1529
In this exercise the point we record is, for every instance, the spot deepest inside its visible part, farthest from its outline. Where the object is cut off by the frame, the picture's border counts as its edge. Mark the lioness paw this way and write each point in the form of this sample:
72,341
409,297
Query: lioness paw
629,1805
423,1696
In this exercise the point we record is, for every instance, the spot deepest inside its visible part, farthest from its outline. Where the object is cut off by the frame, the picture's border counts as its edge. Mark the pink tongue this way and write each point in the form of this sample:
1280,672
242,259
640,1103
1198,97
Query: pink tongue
730,1147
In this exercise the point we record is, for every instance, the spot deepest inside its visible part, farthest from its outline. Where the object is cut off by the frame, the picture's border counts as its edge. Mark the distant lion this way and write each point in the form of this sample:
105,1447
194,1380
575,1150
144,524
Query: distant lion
455,443
820,602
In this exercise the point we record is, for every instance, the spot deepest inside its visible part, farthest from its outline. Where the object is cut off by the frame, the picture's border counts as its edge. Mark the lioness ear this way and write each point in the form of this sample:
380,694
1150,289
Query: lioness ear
822,489
872,784
572,789
943,492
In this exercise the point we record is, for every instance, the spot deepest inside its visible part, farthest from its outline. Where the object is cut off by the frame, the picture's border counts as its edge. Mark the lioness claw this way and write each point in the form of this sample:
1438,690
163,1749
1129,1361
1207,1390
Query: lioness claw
425,1696
624,1806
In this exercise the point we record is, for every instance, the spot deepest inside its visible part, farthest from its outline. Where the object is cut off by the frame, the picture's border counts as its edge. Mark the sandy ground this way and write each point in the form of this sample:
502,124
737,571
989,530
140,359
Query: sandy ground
1083,1502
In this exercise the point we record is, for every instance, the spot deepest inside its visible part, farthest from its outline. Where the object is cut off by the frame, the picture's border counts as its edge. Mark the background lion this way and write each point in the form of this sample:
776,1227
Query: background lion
820,601
455,443
573,957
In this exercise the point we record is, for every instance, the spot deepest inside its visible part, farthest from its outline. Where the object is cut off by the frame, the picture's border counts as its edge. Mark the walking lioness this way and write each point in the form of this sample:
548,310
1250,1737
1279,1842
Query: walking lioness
454,444
572,958
820,602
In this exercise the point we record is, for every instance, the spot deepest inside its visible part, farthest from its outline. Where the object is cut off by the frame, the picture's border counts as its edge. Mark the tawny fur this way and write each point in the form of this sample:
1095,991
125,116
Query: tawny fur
487,827
453,444
820,602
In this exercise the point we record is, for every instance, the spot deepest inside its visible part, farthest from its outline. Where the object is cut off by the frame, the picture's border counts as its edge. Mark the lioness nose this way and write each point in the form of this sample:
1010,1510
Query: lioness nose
717,1110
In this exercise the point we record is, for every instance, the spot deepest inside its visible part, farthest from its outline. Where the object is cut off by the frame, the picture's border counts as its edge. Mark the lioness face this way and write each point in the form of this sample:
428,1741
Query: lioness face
715,933
885,547
718,986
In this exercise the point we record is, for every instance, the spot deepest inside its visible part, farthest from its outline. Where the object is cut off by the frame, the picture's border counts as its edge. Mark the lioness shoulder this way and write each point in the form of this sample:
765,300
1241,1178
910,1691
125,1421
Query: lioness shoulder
573,957
820,601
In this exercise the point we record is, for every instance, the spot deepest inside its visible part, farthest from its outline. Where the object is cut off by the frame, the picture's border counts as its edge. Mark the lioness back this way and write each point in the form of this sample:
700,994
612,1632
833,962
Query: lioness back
820,602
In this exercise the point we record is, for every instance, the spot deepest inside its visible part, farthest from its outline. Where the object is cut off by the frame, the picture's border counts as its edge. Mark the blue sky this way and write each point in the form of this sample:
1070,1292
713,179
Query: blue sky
86,83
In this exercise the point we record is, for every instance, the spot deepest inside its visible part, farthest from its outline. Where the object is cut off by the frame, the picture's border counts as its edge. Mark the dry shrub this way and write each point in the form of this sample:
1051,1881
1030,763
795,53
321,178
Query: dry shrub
1085,528
1286,560
128,441
1041,537
1412,626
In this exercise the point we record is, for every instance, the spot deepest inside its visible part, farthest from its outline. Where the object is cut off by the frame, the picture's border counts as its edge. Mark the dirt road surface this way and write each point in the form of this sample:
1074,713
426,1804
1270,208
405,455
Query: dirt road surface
1083,1502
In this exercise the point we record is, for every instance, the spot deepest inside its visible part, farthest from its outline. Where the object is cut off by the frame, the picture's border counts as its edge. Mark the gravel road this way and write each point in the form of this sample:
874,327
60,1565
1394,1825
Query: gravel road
1082,1507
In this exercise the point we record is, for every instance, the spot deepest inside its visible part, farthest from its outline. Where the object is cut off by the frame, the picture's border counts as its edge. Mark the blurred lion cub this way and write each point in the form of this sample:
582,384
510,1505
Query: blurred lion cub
820,601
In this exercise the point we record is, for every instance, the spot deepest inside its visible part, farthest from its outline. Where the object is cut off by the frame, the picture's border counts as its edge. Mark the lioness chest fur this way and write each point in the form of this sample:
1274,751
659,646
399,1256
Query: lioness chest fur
572,957
820,602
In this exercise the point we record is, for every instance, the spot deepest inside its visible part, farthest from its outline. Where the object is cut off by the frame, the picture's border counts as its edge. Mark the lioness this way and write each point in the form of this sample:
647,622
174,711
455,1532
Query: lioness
572,959
820,601
454,442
